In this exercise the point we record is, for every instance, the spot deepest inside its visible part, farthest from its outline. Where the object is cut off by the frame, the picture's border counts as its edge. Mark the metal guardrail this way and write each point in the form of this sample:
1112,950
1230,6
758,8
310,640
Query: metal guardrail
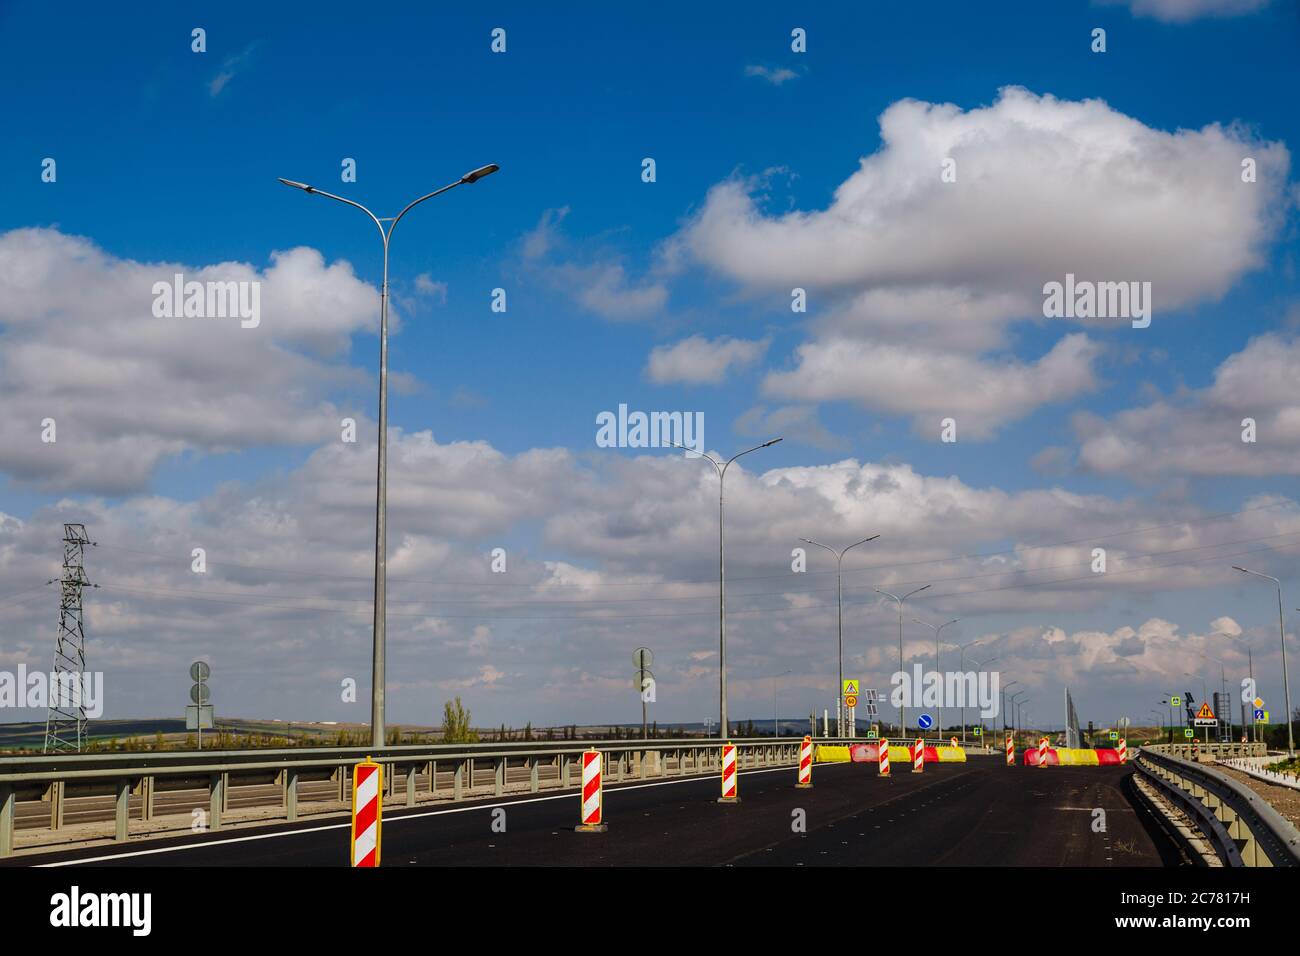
54,778
1243,828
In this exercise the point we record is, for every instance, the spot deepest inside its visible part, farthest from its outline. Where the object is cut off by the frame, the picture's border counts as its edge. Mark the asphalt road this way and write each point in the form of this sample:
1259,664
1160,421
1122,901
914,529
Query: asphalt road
981,813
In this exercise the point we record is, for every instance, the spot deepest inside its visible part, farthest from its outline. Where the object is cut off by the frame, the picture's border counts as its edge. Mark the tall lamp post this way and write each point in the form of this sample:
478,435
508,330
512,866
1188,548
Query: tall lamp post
1015,711
937,629
963,709
1281,630
839,600
1004,702
377,681
721,467
902,710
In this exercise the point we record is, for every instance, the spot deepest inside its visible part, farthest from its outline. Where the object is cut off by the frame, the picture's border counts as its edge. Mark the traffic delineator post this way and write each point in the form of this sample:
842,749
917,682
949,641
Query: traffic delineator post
954,741
1042,751
367,813
805,764
1122,749
882,753
918,756
591,814
1011,751
730,791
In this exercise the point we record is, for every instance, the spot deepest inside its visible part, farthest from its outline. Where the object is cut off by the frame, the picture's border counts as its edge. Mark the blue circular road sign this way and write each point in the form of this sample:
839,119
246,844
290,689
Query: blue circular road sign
925,721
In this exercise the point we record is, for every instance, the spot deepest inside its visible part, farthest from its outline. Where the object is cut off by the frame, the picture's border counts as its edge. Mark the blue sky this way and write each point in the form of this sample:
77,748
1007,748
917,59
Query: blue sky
166,156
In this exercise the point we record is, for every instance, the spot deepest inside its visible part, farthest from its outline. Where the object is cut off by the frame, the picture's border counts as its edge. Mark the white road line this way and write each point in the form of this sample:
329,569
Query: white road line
482,805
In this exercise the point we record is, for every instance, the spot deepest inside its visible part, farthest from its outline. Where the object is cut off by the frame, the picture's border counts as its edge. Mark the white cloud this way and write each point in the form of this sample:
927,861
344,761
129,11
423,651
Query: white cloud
1183,11
701,361
1199,432
774,75
1044,188
931,384
79,343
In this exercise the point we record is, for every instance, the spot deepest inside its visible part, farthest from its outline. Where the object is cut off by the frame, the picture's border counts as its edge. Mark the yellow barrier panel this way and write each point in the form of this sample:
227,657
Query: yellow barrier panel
832,754
950,754
1076,757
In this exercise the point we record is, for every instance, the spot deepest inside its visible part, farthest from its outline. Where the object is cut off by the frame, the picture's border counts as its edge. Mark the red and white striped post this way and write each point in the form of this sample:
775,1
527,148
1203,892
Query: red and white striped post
882,751
1123,750
367,813
593,795
729,794
1042,751
1011,751
805,764
918,756
954,743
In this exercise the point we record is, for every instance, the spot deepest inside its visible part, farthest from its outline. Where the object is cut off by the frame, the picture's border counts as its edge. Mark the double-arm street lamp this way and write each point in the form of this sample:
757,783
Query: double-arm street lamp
937,629
963,706
902,709
1281,630
721,467
839,600
377,683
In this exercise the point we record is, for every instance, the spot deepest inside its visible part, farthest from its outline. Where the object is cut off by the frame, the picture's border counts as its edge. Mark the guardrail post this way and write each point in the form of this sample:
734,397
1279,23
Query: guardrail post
123,810
499,772
56,804
216,799
291,793
7,803
147,787
410,785
533,782
433,777
342,775
458,781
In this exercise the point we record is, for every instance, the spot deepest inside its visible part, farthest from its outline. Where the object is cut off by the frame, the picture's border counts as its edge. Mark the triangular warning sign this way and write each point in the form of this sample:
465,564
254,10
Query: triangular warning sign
1205,713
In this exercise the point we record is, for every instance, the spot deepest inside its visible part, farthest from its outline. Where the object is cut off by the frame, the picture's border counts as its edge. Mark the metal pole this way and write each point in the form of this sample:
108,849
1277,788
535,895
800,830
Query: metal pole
377,675
839,602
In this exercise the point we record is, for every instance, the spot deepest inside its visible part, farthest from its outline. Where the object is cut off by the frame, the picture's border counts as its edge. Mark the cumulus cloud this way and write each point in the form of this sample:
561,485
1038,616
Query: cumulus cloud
80,344
1044,188
701,361
1200,431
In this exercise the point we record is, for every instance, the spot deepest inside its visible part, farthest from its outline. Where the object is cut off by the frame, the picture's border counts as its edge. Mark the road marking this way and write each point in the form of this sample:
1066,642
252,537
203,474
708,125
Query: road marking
391,820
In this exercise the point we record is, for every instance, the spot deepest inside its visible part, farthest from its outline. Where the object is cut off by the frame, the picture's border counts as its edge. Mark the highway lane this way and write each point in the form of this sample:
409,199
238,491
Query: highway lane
978,813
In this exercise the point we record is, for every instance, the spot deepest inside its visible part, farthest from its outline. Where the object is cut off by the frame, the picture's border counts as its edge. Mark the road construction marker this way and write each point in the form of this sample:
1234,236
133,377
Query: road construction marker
805,764
729,775
1123,750
954,741
593,795
367,812
918,756
1011,751
1042,751
882,751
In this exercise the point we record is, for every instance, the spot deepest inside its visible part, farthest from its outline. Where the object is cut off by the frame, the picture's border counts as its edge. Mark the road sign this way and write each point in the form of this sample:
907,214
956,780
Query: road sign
871,703
1114,735
198,718
1259,715
850,700
1259,703
200,671
872,735
200,715
977,731
1176,701
1188,732
850,688
925,721
1205,716
1266,720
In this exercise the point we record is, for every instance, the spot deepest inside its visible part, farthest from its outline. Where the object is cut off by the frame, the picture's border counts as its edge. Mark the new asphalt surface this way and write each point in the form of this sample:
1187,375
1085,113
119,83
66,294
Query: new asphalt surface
981,813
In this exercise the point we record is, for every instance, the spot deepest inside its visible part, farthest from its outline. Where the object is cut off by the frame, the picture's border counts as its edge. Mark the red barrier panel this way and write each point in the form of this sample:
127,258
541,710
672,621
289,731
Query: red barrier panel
1108,757
1031,757
869,753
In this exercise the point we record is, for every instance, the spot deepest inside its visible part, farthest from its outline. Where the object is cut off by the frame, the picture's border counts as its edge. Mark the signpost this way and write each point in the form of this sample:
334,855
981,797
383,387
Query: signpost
850,691
199,714
642,658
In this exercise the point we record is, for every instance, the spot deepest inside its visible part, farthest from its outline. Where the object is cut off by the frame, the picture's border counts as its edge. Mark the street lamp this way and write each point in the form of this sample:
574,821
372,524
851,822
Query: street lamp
1281,629
1004,702
986,663
721,467
377,681
1015,711
902,710
939,706
839,600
